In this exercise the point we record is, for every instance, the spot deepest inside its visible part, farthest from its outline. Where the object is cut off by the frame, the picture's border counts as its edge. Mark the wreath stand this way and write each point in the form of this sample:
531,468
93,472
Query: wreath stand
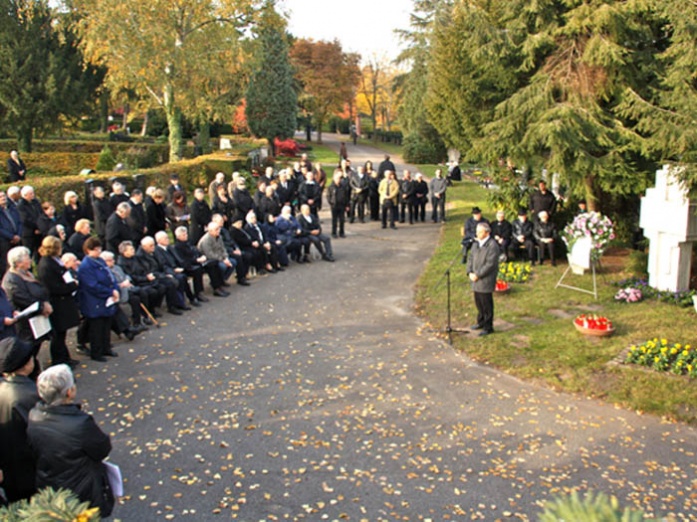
580,261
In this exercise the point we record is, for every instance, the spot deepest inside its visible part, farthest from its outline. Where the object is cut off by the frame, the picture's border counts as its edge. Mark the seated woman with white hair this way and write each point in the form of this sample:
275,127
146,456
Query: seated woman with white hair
68,445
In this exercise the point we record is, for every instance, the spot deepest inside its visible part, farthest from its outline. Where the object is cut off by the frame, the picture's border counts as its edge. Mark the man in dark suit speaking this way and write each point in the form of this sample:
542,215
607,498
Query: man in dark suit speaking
482,269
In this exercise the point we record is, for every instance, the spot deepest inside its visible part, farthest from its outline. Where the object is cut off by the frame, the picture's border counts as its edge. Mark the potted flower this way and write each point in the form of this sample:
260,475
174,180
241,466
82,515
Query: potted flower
502,286
594,324
593,225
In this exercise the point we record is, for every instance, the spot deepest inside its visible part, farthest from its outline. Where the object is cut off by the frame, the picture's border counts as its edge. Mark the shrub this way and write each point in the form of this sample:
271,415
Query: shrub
591,508
48,504
424,147
106,161
141,157
49,164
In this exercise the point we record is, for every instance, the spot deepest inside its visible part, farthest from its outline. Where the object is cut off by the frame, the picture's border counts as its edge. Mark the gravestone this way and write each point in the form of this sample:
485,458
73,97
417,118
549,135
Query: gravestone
670,224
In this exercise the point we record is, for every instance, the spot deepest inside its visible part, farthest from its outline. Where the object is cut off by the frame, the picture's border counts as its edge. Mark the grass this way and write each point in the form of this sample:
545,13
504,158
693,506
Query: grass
541,345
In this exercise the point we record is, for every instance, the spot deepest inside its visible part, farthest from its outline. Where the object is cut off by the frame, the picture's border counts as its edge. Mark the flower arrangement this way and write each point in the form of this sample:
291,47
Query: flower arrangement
593,324
502,286
513,272
629,295
683,298
599,228
659,354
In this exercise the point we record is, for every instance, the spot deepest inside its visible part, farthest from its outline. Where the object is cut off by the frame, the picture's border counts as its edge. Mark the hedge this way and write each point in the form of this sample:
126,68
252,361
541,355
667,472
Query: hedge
197,172
47,164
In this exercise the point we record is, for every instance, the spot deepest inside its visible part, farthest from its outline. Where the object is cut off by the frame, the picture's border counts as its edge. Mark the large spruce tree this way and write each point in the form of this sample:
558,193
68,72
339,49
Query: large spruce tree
271,100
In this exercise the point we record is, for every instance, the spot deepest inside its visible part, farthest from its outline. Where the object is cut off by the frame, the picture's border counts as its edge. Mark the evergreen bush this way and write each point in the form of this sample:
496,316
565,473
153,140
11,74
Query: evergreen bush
106,161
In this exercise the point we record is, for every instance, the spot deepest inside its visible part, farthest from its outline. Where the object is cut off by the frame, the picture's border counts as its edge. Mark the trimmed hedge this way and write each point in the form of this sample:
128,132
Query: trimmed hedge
53,164
197,172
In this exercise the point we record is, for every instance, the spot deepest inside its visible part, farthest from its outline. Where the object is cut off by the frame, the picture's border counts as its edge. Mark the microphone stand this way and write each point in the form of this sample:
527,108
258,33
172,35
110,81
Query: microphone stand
446,275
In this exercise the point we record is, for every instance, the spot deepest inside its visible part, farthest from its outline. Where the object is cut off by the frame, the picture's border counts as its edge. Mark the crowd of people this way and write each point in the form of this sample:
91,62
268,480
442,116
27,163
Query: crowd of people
117,262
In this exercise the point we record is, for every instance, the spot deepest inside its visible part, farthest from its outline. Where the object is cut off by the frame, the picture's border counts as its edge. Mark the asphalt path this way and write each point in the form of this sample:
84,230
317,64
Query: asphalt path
316,394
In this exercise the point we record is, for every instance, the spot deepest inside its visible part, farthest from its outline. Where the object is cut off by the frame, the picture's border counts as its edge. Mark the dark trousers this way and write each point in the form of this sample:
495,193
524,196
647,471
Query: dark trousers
99,332
338,220
406,205
549,247
59,350
438,205
358,202
484,302
420,209
528,246
389,211
374,201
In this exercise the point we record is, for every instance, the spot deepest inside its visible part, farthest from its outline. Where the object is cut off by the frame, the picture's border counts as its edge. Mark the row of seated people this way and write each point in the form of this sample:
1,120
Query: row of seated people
532,240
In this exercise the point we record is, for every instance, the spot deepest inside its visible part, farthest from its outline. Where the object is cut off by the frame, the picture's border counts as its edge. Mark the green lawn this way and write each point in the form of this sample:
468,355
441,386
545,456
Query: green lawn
541,344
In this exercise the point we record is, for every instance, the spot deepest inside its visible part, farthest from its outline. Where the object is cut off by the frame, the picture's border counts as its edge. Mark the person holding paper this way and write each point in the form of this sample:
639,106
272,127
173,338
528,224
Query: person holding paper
61,288
24,290
68,443
98,295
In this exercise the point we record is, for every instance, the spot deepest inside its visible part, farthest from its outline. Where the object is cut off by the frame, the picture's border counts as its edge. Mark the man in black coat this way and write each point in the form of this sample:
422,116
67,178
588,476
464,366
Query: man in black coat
286,189
137,219
172,268
542,200
407,197
151,295
201,215
339,201
523,236
101,209
18,396
384,166
30,211
242,199
156,272
117,227
310,193
10,229
471,231
360,185
420,197
502,231
482,269
309,223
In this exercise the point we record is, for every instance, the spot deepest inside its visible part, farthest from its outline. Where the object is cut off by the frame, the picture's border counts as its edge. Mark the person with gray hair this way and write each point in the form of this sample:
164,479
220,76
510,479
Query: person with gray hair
117,227
68,444
29,212
16,167
482,269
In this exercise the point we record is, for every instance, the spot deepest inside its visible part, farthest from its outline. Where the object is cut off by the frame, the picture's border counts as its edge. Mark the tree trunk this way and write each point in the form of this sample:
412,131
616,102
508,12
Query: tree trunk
204,137
124,119
272,148
174,123
144,127
374,119
591,200
104,111
24,139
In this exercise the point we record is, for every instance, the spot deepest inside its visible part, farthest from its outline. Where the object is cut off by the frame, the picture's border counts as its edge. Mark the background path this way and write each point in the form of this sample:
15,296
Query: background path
315,395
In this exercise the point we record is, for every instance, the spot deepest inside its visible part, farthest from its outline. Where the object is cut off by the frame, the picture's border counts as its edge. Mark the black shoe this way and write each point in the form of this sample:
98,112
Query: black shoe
219,292
476,327
393,227
130,333
384,226
280,269
225,283
306,259
70,362
335,236
185,308
98,358
243,282
156,314
485,332
139,328
174,311
147,321
202,298
111,353
195,302
81,348
328,258
342,236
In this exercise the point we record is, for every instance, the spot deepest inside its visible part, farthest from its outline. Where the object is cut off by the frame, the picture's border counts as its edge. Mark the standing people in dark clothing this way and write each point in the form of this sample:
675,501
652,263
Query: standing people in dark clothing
223,205
68,444
47,220
438,188
384,166
118,194
310,193
338,198
61,291
72,212
10,229
420,197
321,180
117,229
360,187
16,168
30,211
374,195
406,198
482,269
102,209
200,216
77,240
18,395
471,231
137,219
242,199
542,200
156,213
174,186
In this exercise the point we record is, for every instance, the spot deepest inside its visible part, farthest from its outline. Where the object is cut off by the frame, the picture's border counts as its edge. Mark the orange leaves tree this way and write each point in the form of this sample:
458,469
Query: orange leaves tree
327,76
179,53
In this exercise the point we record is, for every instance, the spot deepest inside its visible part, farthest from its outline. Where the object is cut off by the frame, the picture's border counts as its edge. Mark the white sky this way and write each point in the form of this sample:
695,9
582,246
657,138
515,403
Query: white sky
362,26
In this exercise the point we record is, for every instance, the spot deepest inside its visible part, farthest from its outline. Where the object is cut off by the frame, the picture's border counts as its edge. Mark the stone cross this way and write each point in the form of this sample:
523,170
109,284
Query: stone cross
669,220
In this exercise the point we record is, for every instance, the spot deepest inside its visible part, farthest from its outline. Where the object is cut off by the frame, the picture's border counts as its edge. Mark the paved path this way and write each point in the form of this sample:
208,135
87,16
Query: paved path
315,395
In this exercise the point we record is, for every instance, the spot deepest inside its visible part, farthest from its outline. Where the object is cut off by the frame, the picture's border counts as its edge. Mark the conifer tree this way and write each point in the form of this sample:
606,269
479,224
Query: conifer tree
271,101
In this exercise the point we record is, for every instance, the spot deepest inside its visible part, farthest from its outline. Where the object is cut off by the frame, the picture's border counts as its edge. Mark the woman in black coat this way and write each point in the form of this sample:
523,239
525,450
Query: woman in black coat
61,290
156,213
72,212
68,444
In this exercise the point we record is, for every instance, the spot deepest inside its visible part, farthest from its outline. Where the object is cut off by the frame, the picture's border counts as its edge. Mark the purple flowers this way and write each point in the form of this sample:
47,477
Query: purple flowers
593,225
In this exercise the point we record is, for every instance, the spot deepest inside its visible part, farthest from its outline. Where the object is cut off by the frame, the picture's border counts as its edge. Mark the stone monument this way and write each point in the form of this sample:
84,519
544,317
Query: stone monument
669,220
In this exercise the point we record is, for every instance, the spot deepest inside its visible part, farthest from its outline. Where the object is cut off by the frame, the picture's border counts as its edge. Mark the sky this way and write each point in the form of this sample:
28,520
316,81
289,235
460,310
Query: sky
362,26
